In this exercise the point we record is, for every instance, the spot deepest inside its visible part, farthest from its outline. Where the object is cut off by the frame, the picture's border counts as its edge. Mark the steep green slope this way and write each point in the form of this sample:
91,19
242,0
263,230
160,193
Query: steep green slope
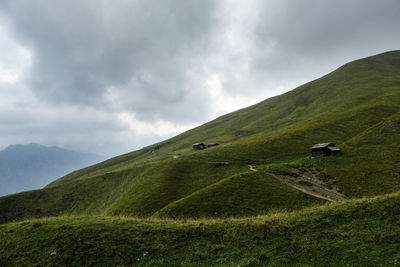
352,233
370,164
132,192
351,107
239,195
368,82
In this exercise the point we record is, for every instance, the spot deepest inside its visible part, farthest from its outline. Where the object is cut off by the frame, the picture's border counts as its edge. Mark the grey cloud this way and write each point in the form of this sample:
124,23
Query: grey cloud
87,130
95,59
142,49
303,35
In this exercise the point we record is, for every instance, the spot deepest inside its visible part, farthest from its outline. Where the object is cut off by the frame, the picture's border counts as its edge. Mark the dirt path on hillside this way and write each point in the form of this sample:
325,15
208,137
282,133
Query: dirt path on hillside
253,168
311,182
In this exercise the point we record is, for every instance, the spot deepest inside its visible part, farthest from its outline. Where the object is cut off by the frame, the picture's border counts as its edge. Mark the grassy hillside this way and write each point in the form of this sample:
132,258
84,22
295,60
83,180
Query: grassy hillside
356,107
237,196
370,165
352,233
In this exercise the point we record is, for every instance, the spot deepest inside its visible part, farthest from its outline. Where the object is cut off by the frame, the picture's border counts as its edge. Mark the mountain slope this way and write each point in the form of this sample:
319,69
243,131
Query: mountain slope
32,166
369,82
371,163
238,195
356,107
352,233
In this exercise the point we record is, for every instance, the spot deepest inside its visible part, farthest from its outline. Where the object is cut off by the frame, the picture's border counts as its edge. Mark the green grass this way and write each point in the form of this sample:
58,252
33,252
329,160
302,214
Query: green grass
170,181
370,164
353,233
356,107
247,194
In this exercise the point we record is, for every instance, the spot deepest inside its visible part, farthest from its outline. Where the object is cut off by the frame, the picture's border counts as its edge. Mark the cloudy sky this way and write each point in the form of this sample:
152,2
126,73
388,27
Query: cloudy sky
112,76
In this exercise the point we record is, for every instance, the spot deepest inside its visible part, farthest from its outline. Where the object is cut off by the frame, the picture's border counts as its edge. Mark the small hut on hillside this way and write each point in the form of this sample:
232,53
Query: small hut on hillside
199,146
325,149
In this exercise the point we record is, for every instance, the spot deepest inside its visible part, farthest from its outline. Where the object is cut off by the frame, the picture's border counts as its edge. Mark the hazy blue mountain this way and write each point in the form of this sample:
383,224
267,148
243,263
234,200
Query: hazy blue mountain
32,166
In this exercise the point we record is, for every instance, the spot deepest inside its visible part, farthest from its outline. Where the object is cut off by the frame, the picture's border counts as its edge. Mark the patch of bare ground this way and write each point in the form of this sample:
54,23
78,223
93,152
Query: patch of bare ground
253,168
312,182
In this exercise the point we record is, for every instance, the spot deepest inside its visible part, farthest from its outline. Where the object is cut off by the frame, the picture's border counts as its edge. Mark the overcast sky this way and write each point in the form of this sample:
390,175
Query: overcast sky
109,77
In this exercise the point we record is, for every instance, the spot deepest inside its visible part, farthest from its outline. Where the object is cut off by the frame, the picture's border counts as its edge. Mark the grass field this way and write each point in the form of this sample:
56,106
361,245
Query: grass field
361,232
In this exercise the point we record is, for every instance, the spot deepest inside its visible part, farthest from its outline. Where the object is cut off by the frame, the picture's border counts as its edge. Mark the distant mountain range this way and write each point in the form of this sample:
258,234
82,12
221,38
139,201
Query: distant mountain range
32,166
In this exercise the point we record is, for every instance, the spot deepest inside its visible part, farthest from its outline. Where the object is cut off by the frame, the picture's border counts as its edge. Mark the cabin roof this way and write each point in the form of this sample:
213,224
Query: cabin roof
322,145
196,144
333,148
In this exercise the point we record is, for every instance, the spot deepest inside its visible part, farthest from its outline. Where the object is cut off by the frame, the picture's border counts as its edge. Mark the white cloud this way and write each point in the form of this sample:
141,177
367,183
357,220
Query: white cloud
159,127
8,75
15,60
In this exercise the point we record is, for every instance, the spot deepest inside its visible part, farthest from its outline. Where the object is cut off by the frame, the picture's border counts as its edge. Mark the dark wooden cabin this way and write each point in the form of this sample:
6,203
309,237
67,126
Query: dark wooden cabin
212,144
325,149
199,146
